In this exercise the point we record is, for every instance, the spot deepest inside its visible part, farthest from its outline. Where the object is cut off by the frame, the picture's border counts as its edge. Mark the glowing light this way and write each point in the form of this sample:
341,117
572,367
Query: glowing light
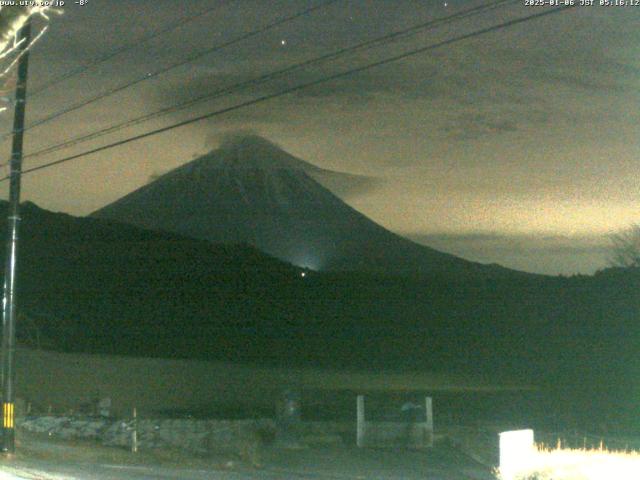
305,260
15,60
11,21
520,458
516,453
283,42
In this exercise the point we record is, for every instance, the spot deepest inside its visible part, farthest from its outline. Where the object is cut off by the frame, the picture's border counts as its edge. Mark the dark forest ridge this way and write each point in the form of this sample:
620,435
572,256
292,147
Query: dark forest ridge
92,285
88,285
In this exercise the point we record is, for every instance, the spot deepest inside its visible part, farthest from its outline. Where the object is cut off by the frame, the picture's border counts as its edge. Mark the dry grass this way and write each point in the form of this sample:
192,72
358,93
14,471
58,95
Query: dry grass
579,464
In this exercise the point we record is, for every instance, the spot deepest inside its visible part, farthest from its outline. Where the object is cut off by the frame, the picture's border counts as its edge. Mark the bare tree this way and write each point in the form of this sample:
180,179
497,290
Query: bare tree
625,247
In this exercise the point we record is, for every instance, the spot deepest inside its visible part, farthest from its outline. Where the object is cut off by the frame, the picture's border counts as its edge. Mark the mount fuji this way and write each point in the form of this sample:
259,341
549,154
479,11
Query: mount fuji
251,191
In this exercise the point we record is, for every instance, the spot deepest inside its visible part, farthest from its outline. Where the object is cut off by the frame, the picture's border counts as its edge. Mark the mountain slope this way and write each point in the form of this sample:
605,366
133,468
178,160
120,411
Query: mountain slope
90,285
252,191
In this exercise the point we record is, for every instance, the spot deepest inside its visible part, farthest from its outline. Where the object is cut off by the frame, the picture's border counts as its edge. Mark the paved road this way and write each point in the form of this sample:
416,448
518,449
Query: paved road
312,464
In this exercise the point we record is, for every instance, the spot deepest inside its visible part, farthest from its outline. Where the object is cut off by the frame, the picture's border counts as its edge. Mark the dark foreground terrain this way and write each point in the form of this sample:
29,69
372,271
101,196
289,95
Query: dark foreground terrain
39,458
92,286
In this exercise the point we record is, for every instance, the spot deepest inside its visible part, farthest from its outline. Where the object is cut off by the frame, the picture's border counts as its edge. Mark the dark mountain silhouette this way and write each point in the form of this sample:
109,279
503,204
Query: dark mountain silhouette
251,191
96,286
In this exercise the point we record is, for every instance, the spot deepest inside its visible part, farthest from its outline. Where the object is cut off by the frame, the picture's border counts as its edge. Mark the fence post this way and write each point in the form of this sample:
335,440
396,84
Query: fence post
134,432
288,419
360,427
428,410
517,450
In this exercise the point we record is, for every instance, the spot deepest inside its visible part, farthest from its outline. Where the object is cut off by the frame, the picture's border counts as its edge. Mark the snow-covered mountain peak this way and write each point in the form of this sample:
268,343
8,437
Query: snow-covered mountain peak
252,152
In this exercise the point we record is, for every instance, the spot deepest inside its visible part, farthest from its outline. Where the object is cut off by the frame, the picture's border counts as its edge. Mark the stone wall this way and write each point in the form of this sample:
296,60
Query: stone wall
195,436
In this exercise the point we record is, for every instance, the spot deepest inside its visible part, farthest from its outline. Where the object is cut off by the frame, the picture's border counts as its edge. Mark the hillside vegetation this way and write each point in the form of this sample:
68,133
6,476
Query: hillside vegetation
91,286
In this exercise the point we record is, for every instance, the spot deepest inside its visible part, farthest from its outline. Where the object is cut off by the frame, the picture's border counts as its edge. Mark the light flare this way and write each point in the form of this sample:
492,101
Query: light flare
521,460
12,19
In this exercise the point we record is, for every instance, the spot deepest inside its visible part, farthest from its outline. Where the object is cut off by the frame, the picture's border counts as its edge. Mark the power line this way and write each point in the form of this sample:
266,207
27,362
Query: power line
185,61
130,46
275,74
301,87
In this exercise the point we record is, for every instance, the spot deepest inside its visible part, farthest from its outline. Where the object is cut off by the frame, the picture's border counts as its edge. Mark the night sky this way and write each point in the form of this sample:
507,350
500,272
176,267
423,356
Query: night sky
518,147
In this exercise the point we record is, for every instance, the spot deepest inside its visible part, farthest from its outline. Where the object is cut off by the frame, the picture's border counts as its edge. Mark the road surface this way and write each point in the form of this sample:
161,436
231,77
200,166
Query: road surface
40,458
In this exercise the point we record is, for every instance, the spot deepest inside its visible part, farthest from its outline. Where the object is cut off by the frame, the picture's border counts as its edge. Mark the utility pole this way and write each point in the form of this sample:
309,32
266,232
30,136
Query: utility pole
9,299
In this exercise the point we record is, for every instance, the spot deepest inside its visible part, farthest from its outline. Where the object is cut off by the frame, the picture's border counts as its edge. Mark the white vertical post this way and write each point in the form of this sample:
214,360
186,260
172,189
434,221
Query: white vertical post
134,432
360,421
517,451
428,409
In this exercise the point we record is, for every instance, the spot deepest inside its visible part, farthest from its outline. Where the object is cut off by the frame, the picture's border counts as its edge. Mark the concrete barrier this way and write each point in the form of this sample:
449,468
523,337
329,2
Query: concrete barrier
196,436
517,450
